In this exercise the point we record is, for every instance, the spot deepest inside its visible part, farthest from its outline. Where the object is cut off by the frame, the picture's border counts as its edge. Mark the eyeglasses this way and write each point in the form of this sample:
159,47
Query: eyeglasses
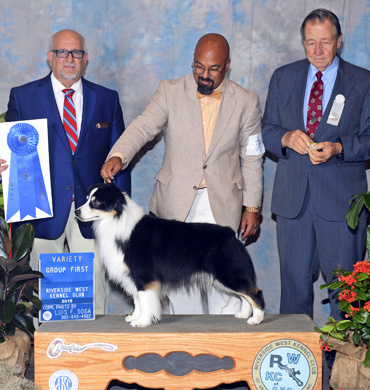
213,71
62,53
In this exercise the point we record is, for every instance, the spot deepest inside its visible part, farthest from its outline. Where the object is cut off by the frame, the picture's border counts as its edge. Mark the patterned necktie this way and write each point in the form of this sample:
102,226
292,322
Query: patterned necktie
69,119
314,112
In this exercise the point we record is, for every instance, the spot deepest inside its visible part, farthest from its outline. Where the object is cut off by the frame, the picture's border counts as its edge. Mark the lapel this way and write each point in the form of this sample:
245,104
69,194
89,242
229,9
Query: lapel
89,103
343,85
297,87
47,100
194,112
225,111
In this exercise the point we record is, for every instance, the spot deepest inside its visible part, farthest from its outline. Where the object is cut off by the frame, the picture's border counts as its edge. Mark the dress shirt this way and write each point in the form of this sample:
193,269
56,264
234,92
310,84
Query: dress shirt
77,98
209,107
329,76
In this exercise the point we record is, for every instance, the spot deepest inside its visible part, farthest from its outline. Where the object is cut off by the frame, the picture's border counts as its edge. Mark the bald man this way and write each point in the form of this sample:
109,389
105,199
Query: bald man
75,164
212,164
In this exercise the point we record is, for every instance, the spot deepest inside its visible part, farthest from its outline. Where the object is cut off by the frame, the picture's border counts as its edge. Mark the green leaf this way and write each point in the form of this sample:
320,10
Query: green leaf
355,209
356,338
344,306
24,322
343,325
362,276
22,241
368,242
359,317
360,294
327,328
367,358
8,264
366,197
7,311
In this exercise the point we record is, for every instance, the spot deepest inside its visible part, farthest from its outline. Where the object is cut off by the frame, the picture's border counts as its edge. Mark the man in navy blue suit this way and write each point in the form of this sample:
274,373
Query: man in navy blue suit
318,170
98,125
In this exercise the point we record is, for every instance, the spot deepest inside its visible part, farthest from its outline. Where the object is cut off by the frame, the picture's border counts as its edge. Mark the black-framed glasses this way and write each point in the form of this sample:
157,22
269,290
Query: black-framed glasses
62,53
213,71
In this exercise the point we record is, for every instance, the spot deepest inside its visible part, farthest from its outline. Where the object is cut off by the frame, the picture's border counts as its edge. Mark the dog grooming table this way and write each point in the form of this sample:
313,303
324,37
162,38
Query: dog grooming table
181,352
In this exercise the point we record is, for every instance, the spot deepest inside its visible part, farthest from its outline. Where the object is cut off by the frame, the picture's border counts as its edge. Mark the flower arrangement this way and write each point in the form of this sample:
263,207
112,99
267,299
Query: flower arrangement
354,297
353,294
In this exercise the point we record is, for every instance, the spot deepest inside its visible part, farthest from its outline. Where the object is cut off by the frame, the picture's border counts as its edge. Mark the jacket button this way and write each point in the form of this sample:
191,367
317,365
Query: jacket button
195,188
73,160
69,187
204,166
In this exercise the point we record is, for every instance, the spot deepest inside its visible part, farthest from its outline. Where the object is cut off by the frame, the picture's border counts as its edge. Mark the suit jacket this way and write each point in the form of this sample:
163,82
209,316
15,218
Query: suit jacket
232,177
331,184
36,100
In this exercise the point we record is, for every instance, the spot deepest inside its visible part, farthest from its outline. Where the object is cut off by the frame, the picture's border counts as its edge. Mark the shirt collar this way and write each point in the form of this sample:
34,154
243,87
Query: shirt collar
58,86
327,74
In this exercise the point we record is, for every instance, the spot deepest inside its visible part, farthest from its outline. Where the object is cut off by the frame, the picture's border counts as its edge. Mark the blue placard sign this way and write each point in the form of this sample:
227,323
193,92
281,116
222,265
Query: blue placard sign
67,289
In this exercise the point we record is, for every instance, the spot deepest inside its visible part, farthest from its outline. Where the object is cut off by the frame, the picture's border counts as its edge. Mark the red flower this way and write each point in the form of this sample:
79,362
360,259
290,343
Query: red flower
349,280
361,266
347,295
367,306
324,346
353,309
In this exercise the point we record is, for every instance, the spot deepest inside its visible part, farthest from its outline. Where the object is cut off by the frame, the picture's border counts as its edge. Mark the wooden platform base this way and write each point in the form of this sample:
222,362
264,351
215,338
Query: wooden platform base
181,352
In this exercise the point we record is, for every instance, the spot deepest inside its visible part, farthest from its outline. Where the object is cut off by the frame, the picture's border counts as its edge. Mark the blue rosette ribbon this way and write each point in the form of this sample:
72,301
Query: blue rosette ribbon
26,182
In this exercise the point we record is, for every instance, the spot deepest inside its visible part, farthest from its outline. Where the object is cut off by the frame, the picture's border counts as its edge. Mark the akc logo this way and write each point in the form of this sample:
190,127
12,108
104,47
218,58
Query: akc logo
285,364
63,380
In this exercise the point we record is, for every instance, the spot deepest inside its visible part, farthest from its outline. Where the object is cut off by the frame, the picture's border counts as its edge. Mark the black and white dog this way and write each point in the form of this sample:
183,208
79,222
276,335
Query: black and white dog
147,255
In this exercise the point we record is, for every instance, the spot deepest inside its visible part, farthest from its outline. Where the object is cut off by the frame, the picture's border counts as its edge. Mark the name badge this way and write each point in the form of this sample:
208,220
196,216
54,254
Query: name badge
336,110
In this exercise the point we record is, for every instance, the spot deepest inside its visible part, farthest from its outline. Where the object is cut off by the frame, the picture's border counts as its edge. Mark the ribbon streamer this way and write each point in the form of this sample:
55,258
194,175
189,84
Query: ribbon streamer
26,183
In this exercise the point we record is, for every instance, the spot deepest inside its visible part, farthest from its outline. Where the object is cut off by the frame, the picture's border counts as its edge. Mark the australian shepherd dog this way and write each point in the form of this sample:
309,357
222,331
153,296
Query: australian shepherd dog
147,256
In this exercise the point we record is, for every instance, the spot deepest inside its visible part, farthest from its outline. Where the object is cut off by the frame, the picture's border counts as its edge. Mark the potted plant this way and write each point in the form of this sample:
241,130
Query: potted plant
18,285
351,336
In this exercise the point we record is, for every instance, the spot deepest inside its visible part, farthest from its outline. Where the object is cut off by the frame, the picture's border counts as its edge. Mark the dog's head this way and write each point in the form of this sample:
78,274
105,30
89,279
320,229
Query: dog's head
103,201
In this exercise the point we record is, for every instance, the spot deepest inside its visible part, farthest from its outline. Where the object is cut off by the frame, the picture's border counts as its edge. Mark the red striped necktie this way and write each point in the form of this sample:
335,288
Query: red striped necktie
69,119
314,112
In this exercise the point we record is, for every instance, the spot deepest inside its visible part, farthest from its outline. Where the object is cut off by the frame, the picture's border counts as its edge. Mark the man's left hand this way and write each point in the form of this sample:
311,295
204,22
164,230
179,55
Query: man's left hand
250,224
324,152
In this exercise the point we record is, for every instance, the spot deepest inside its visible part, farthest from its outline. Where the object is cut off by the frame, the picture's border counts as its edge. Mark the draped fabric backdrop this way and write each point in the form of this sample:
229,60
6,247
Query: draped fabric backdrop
132,45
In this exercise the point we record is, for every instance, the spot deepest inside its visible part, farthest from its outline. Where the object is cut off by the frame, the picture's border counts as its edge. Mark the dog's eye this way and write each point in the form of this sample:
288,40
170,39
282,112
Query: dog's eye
95,203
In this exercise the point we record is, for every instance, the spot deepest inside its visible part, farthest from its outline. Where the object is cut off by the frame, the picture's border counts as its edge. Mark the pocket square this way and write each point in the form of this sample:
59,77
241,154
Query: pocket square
102,125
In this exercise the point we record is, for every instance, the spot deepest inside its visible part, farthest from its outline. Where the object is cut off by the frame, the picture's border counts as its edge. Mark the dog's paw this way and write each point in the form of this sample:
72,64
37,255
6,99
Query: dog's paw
140,323
129,318
257,318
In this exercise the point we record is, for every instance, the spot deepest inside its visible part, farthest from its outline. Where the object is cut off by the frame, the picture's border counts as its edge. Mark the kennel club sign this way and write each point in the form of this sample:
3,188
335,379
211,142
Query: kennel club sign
67,289
285,364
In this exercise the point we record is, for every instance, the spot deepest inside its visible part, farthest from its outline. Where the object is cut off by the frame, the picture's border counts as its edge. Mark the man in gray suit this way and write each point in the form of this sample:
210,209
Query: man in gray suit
321,137
212,163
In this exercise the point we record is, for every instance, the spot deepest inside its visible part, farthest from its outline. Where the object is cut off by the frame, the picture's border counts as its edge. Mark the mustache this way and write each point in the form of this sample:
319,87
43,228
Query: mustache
203,79
69,64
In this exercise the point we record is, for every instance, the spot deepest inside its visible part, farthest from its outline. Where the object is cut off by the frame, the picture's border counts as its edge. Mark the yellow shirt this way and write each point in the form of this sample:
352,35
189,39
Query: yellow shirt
209,107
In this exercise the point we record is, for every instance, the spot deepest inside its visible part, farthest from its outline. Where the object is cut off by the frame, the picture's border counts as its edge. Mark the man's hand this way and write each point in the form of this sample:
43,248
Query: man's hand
324,152
2,166
110,168
296,140
250,224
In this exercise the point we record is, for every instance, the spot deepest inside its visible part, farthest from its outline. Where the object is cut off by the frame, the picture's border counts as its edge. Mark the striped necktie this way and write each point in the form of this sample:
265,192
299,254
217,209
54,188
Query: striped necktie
69,119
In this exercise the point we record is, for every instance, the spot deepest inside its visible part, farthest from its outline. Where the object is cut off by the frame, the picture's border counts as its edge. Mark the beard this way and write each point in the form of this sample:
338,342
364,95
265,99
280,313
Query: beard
70,76
205,89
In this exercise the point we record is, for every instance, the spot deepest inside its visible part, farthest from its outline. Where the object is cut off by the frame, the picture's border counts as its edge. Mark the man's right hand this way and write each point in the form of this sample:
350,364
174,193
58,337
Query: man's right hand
3,166
110,168
296,140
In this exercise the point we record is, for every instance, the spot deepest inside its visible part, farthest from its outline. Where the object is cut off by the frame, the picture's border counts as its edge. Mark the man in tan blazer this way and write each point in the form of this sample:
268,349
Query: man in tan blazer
212,164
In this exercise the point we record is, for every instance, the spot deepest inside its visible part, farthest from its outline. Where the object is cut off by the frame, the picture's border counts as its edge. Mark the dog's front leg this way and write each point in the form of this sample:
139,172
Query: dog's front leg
150,308
136,314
